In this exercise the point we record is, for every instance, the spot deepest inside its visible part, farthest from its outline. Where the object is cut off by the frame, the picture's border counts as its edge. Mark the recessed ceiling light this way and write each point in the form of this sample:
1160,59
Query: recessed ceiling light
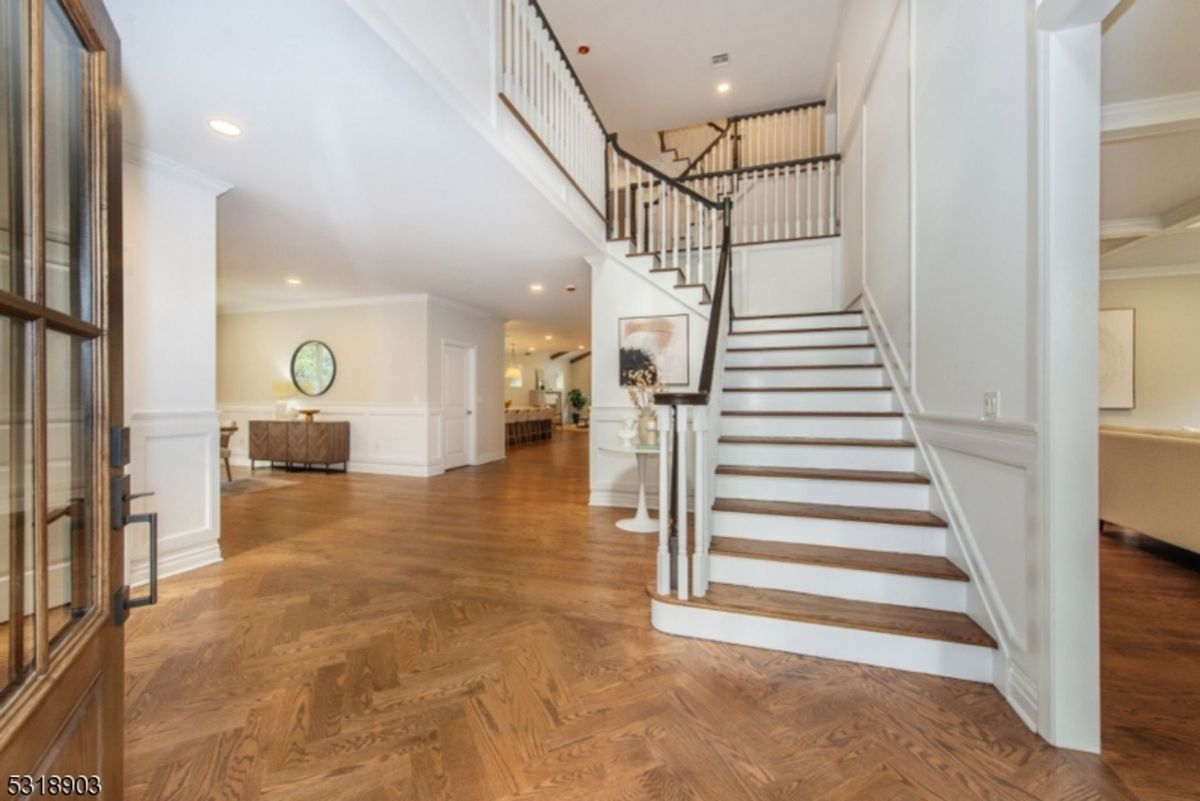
723,87
225,128
582,347
294,281
535,287
548,337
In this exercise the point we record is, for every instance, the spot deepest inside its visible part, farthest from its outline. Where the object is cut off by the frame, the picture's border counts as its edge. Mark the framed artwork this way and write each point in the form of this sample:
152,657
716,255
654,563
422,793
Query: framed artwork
1116,358
661,342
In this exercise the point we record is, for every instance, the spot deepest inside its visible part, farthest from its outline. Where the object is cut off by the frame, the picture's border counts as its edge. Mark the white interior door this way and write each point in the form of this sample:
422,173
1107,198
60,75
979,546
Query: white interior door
457,396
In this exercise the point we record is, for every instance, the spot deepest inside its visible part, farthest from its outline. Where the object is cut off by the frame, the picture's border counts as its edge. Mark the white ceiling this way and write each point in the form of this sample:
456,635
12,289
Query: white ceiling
1149,51
353,174
650,62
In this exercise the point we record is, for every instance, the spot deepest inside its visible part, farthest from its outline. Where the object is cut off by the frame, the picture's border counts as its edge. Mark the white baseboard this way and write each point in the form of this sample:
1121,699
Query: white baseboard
173,564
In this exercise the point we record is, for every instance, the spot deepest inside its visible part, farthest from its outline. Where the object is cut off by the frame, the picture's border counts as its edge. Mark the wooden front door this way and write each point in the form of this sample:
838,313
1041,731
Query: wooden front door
61,559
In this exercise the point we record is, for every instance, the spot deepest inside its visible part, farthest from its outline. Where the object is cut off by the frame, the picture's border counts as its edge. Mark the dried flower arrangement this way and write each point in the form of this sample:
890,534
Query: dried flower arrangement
645,385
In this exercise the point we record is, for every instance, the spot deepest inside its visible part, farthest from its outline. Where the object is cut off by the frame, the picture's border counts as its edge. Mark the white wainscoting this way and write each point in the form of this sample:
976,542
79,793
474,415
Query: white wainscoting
385,440
174,454
787,277
985,478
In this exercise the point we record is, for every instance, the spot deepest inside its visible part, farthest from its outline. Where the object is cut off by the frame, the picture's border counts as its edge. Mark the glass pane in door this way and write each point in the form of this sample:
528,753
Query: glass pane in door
70,477
16,504
68,262
14,157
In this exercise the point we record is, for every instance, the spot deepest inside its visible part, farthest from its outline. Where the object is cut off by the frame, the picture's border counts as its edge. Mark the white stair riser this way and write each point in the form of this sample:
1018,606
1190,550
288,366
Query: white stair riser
857,377
971,662
826,456
772,358
876,494
821,401
849,319
801,339
766,426
922,540
837,582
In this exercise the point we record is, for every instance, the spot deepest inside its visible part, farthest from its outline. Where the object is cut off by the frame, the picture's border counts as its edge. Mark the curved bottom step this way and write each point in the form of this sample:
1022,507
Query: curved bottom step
861,635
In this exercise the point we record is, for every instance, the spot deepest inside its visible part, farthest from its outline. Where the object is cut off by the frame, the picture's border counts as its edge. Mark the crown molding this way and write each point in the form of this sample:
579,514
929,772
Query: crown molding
1163,271
335,303
149,160
1153,116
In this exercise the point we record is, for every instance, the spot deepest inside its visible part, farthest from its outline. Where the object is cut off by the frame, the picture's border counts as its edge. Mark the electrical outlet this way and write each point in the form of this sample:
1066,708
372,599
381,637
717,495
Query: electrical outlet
991,405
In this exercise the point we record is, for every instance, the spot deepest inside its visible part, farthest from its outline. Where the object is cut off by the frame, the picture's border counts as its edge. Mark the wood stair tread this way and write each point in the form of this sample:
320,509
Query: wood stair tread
769,413
801,330
824,473
767,348
875,366
732,439
829,511
793,314
807,389
905,621
900,564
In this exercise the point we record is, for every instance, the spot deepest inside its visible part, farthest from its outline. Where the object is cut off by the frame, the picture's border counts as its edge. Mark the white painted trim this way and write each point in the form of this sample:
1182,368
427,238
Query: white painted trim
1153,116
459,306
595,262
334,303
149,160
970,662
175,563
1133,273
1127,227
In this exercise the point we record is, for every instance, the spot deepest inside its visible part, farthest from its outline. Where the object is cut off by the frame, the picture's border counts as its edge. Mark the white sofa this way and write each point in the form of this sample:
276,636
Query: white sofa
1150,482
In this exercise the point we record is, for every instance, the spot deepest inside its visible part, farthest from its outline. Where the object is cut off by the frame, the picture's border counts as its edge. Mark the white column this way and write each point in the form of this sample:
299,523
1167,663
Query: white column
681,500
700,562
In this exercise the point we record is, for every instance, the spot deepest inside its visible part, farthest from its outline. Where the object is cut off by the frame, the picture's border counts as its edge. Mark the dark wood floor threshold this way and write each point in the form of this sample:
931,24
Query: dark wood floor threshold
801,330
905,621
819,441
824,474
830,511
897,564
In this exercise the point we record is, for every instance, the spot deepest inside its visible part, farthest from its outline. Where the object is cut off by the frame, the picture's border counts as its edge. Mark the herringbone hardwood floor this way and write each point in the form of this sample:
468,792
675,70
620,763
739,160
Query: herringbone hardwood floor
484,635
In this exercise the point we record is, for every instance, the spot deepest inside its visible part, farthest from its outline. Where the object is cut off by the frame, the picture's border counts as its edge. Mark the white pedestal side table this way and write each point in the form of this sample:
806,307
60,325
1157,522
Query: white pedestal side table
641,522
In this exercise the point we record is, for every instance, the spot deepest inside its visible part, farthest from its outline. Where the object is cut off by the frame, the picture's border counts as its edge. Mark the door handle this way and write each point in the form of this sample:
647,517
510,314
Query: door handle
122,600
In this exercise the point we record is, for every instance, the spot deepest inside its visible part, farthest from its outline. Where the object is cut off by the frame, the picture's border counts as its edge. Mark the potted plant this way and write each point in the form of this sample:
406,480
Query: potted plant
578,401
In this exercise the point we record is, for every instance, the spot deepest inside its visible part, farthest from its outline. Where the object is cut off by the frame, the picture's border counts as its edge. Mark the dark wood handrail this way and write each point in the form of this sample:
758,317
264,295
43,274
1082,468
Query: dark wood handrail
780,110
708,366
570,67
692,165
612,140
760,167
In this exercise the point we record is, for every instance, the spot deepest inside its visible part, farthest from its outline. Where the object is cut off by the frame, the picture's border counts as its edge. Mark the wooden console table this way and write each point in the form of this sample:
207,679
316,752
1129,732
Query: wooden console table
296,442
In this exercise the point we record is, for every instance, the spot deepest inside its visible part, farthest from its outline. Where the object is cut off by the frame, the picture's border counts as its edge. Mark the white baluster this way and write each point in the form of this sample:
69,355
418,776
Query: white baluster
681,500
665,427
675,195
833,170
662,223
808,203
821,198
712,250
700,491
687,234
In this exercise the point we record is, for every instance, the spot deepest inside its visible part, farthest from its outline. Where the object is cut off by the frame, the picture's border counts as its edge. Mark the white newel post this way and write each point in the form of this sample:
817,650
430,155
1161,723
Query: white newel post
700,561
681,499
663,586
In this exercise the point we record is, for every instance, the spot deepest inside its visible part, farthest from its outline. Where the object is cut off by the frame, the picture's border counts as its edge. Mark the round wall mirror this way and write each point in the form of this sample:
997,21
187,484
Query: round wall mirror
313,368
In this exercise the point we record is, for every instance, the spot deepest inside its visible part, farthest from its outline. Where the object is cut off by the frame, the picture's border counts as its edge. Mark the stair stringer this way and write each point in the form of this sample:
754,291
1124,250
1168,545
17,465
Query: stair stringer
984,604
639,266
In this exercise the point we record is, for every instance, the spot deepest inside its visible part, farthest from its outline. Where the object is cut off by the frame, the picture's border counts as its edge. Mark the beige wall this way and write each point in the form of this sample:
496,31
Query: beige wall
1166,349
380,351
389,376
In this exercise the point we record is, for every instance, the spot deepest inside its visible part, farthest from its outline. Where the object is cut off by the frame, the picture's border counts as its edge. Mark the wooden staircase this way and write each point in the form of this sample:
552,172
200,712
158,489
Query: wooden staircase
822,538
